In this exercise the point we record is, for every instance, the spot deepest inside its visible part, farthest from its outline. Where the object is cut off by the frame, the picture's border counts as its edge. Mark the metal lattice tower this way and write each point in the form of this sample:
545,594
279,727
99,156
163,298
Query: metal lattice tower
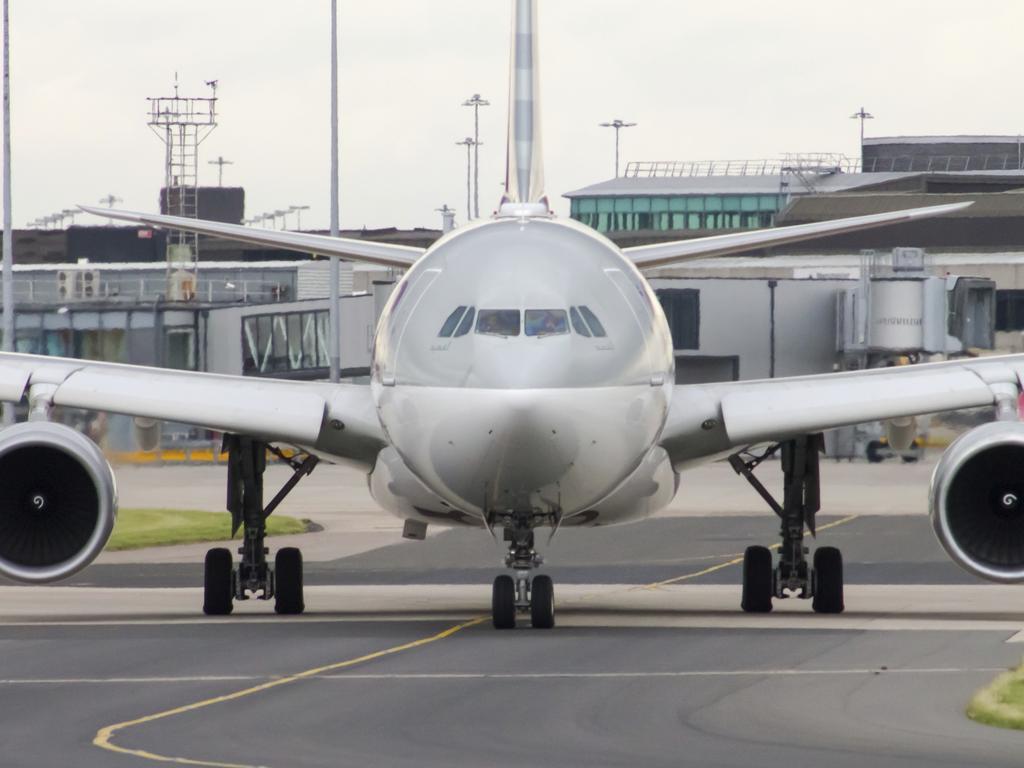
182,123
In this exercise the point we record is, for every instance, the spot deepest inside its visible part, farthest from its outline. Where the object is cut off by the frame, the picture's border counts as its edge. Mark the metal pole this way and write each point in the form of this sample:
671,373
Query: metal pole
476,161
334,313
8,238
469,161
617,129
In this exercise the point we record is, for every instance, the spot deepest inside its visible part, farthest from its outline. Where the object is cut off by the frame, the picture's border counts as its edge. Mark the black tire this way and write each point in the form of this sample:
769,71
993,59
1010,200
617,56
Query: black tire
909,459
873,452
288,597
542,603
758,576
828,581
503,602
218,595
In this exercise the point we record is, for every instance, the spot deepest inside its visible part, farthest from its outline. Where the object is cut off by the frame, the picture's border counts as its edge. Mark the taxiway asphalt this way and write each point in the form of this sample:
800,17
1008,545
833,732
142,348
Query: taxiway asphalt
388,667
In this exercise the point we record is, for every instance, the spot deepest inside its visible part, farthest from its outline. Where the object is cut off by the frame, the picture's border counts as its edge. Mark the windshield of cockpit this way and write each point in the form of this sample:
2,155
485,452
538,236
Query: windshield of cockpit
538,323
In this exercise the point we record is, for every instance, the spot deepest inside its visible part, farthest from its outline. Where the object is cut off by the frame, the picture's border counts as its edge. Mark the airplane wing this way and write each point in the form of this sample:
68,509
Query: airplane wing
384,254
709,419
334,420
664,254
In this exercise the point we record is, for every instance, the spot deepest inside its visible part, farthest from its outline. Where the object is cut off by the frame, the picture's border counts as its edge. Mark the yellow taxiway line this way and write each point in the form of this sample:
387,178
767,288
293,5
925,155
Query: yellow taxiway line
104,736
736,560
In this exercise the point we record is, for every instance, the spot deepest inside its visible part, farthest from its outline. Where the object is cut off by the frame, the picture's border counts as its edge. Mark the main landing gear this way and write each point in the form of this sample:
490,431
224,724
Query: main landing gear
821,581
522,593
223,581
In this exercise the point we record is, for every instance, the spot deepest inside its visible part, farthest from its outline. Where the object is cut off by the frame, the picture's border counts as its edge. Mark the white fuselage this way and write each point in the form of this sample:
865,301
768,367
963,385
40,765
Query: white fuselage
523,365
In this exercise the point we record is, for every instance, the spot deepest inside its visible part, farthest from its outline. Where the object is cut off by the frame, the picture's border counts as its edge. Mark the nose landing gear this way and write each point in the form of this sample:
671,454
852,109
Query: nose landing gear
521,592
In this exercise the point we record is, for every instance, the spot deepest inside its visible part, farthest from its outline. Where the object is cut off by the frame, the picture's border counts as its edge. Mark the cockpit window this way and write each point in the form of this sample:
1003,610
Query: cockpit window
467,323
577,323
595,325
498,322
545,322
452,322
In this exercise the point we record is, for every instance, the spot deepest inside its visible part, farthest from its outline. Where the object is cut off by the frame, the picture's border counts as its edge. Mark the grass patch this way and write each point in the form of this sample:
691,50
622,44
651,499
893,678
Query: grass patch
136,528
1001,702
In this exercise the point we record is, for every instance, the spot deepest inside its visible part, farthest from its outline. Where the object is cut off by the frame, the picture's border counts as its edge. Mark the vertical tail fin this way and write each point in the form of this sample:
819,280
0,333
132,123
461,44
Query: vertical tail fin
524,169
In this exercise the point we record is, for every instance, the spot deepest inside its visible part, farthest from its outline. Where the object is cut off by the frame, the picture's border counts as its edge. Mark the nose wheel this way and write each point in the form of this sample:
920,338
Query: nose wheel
523,594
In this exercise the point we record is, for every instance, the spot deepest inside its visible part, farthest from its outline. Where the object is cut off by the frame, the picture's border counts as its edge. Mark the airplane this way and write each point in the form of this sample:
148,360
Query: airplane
522,381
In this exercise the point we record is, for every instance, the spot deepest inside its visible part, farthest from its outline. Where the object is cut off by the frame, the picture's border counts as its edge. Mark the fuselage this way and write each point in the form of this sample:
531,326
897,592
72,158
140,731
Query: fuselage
523,365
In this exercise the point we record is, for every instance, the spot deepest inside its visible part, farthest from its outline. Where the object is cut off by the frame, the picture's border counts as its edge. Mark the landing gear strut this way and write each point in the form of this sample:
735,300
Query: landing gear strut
223,582
820,581
522,592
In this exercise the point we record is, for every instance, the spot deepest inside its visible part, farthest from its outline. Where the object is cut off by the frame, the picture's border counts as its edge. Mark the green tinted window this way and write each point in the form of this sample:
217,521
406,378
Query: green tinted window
695,203
677,204
748,203
659,204
769,202
623,205
605,205
642,204
713,203
587,205
730,203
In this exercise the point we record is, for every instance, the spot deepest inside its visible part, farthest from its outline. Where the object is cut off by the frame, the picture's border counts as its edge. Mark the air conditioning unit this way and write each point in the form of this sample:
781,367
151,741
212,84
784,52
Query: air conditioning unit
78,284
88,283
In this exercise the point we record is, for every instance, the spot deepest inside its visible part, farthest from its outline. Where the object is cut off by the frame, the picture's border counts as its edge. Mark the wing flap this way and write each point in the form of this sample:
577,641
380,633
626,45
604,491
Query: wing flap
663,254
384,254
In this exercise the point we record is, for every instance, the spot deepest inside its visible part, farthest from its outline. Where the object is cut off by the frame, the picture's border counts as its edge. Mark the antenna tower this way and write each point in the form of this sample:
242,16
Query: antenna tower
182,123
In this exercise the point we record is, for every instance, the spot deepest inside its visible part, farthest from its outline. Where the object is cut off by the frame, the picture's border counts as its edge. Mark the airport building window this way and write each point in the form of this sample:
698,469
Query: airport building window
688,212
285,341
682,310
1010,310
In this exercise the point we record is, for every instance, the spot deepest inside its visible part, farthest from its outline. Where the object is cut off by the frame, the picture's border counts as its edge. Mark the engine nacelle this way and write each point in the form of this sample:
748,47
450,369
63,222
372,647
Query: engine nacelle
58,501
977,501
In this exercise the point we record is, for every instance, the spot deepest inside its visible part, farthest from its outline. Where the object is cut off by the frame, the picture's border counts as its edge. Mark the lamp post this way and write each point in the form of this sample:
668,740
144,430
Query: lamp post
618,125
220,162
469,143
334,309
476,102
862,115
297,210
8,238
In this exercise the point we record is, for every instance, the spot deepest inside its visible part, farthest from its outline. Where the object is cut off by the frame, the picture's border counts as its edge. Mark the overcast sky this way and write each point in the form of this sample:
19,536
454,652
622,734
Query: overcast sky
704,80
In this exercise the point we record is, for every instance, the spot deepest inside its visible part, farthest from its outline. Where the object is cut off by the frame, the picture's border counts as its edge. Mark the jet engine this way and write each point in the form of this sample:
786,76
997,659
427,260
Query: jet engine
977,501
58,501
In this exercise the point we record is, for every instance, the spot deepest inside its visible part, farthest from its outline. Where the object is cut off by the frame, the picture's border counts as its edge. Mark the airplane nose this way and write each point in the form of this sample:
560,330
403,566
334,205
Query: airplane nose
493,450
512,450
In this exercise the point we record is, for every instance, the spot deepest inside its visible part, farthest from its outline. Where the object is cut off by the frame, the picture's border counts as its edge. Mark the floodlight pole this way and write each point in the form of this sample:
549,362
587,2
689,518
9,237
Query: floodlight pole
469,144
862,115
618,125
8,238
476,102
334,311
